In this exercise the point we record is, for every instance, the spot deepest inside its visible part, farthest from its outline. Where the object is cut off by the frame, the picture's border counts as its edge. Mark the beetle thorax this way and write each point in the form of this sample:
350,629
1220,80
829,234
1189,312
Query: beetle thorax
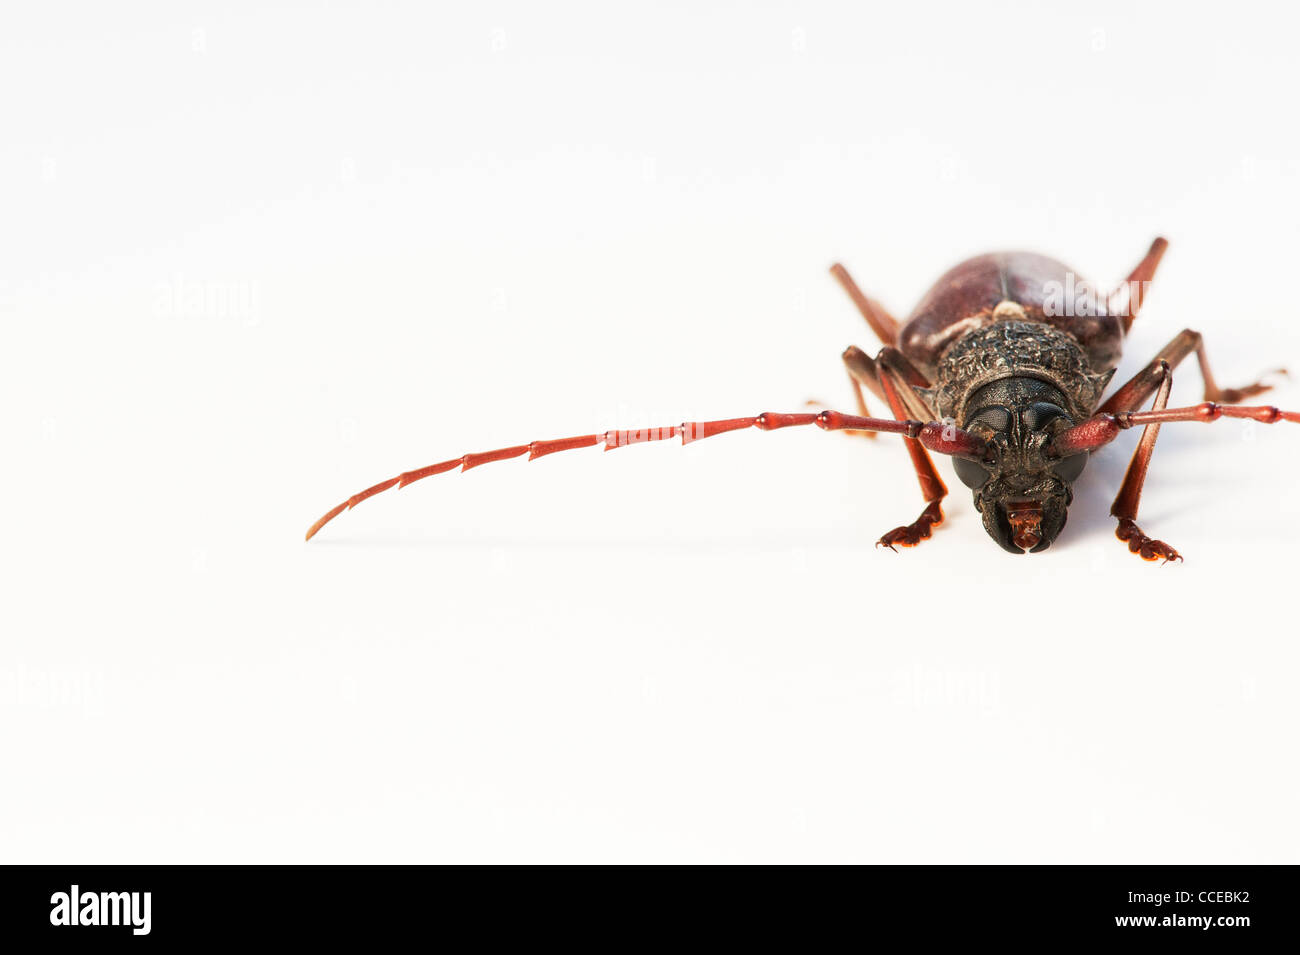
1023,349
1016,384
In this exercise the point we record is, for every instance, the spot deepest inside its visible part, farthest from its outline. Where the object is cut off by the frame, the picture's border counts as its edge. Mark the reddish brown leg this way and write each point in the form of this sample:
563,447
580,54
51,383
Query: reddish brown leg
1125,508
882,323
862,371
1134,393
895,371
1128,297
908,378
860,366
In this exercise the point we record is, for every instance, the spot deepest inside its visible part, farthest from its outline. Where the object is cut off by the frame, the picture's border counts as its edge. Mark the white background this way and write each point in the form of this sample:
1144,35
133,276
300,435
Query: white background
255,259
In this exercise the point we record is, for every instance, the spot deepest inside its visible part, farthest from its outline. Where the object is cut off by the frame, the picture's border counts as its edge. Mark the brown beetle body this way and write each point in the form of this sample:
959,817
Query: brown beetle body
965,298
1001,367
993,319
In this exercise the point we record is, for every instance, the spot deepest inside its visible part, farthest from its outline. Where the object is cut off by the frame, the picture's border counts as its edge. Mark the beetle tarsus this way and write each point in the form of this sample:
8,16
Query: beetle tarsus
1232,396
919,530
1145,547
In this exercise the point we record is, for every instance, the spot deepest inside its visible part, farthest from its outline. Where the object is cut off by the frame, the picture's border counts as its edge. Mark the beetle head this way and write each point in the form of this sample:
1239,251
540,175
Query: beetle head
1022,488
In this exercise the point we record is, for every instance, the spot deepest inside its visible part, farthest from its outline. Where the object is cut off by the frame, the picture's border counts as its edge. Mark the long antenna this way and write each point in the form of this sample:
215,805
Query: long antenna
936,435
1101,429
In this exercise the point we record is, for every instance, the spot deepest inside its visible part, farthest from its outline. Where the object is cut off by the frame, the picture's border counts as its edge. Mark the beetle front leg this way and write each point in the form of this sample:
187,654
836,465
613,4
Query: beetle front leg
893,371
1125,507
888,377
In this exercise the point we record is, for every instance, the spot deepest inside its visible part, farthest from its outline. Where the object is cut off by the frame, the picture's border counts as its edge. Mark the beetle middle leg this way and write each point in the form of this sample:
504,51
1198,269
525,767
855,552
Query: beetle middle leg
862,370
862,373
1143,385
895,375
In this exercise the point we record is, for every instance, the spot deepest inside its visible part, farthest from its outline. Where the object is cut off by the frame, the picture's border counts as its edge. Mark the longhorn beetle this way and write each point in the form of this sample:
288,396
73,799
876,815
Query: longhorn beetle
1002,370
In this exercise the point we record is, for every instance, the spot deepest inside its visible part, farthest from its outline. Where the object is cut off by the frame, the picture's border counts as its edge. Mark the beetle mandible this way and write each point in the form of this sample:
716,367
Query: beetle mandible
1001,369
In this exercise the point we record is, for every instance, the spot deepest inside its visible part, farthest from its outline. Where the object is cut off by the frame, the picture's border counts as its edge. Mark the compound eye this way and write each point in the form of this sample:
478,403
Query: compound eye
971,473
1041,414
1069,469
993,417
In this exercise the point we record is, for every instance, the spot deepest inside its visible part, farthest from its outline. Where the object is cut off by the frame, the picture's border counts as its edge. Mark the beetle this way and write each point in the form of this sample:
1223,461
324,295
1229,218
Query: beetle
1001,367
